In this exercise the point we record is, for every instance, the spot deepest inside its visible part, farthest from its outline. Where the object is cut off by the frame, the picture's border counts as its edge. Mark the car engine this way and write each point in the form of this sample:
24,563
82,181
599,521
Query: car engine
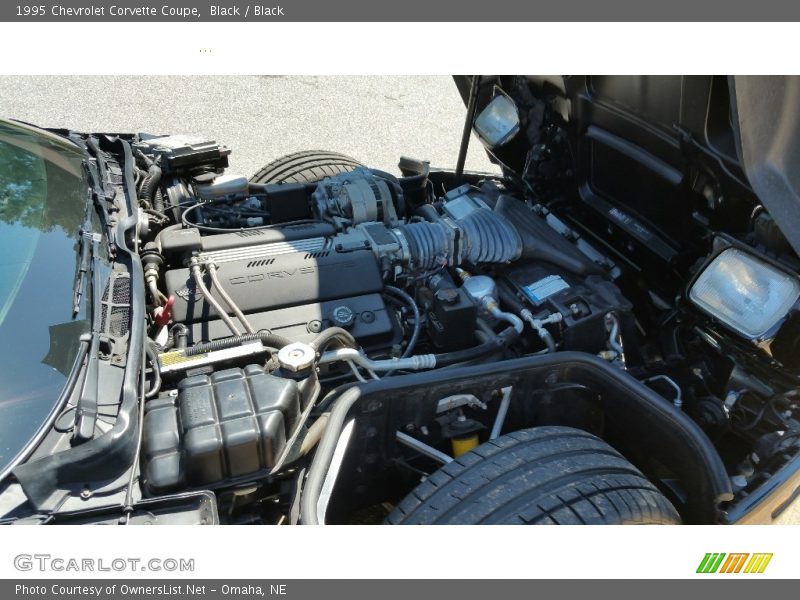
605,330
268,300
414,281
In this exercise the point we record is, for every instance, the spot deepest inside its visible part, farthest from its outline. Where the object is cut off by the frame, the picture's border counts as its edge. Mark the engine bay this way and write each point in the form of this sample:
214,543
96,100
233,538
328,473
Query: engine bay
267,300
326,342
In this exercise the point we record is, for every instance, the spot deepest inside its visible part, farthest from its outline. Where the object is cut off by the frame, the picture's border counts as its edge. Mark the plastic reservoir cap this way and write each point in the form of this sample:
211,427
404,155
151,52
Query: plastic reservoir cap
296,357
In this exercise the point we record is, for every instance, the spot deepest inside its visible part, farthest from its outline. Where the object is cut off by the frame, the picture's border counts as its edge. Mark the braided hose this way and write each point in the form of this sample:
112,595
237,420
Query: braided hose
198,279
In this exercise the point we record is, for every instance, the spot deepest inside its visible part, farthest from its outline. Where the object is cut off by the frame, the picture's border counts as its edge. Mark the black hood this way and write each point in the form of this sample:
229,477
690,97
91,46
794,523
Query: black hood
668,161
767,122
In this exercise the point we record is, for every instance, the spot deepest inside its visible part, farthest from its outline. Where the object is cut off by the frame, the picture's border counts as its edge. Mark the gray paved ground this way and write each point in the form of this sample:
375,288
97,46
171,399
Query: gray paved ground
374,119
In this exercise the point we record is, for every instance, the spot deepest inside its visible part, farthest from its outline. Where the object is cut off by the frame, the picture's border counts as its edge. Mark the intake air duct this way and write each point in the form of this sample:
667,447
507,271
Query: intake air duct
540,242
481,236
428,244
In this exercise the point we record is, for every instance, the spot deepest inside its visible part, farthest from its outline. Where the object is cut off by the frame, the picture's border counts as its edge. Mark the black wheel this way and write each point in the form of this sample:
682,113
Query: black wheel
539,476
305,167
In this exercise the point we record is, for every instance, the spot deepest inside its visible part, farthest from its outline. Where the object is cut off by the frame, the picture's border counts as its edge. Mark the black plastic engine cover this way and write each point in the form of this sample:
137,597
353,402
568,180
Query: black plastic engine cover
291,279
372,324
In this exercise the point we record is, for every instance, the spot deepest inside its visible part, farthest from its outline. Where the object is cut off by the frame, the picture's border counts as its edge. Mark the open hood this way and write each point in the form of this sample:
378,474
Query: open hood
670,160
767,112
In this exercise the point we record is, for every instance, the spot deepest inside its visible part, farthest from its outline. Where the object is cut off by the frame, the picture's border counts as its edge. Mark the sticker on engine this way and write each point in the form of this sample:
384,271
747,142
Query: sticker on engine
538,291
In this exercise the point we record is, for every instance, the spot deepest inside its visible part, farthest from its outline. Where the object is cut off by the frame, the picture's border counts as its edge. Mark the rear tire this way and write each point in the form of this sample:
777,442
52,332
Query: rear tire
539,476
308,166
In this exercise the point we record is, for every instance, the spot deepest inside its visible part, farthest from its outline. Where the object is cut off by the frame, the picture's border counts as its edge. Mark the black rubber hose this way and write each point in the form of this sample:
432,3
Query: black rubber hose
507,296
503,339
415,173
267,338
428,212
412,343
161,216
331,333
158,201
150,185
152,355
180,335
177,337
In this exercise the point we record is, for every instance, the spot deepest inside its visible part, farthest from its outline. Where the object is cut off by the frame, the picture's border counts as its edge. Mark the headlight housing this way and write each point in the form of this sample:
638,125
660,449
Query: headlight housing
748,295
498,122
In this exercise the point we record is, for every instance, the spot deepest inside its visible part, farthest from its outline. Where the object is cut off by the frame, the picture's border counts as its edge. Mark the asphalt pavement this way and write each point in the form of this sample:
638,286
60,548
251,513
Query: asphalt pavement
260,118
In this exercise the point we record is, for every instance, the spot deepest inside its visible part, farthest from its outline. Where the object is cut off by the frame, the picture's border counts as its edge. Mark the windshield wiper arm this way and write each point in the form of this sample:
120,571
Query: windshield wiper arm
88,242
100,198
86,410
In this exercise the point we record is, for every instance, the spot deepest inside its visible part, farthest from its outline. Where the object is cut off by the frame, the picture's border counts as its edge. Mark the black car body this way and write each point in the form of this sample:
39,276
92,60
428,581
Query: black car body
606,332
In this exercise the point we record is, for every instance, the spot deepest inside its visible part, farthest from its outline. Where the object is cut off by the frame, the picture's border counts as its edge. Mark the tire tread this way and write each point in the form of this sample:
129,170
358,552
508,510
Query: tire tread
307,166
553,475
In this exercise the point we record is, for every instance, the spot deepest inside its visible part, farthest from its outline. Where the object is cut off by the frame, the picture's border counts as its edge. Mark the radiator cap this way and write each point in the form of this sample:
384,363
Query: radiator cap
296,357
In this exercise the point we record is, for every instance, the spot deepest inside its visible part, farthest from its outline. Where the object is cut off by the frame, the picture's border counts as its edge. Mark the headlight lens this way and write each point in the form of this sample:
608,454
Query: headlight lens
745,293
498,122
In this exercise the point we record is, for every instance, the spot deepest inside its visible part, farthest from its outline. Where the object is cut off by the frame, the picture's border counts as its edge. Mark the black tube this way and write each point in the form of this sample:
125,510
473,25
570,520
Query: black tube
415,172
458,356
161,216
427,212
412,343
180,335
177,337
503,339
150,185
267,338
152,355
462,152
158,201
509,297
331,333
